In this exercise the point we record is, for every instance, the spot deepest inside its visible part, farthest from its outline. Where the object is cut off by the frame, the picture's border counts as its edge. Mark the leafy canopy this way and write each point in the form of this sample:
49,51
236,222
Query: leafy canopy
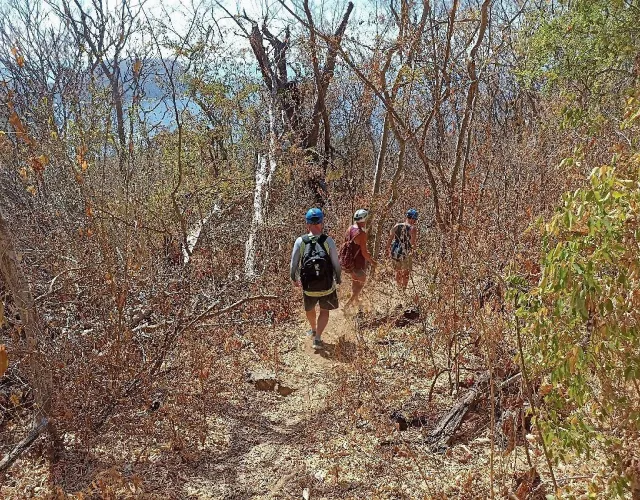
587,51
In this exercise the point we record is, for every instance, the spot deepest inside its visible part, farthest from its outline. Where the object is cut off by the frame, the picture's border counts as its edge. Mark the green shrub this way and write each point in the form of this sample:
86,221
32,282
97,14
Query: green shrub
581,322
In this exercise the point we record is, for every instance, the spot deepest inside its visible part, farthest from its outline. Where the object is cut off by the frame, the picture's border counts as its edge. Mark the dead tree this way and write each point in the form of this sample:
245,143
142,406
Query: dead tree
284,99
39,370
105,36
284,93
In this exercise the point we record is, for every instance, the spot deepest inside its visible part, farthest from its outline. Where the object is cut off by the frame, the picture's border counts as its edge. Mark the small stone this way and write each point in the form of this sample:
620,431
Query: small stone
262,380
283,390
320,475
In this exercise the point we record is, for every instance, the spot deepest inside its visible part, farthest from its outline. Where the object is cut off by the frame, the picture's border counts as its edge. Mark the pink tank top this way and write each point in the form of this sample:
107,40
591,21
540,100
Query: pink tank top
359,261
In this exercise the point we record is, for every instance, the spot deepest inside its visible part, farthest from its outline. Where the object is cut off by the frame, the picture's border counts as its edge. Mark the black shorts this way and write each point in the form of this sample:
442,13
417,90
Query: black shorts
327,302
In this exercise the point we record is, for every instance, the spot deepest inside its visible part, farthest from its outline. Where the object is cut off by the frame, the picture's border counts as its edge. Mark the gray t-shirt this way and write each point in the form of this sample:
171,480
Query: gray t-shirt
294,268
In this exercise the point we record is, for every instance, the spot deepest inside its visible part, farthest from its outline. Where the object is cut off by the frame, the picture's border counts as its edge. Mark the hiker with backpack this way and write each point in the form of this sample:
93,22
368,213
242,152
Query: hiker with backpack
402,240
315,268
354,255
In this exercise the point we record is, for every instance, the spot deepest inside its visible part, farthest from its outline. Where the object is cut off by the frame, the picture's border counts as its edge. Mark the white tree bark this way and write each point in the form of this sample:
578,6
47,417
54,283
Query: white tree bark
265,170
194,233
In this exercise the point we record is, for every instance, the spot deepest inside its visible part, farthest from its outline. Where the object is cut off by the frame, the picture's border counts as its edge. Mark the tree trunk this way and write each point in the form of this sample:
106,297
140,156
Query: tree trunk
40,375
274,74
464,137
379,236
265,169
193,235
310,140
16,282
23,445
379,168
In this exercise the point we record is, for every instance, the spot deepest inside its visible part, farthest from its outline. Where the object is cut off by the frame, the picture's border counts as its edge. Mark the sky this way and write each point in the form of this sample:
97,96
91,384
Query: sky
332,10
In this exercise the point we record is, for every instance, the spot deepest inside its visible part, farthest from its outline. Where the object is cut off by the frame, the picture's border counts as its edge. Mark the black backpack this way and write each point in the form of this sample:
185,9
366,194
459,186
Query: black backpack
401,245
316,270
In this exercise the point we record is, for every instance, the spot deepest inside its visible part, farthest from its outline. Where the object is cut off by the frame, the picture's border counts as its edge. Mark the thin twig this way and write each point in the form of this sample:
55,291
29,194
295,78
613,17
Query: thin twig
53,281
209,313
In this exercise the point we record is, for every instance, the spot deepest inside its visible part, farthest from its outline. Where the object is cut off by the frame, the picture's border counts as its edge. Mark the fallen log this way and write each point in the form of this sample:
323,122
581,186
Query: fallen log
414,412
442,434
23,445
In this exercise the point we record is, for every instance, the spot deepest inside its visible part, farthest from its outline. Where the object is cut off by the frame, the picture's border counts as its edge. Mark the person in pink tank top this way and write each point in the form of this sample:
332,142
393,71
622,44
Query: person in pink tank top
357,233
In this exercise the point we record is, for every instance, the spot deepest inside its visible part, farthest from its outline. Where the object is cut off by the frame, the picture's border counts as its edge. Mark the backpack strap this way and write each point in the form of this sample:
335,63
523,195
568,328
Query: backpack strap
398,230
305,241
349,238
407,235
322,241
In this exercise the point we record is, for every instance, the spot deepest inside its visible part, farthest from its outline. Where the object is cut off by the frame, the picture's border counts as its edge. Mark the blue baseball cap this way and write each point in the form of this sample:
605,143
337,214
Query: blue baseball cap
412,214
314,216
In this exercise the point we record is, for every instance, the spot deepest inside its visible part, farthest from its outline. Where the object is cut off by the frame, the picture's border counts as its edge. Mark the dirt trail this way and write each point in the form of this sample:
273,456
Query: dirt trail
330,442
285,442
324,430
296,442
258,443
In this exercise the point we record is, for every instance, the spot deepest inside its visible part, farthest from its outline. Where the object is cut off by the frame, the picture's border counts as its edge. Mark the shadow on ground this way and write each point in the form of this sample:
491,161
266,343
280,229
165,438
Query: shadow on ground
342,351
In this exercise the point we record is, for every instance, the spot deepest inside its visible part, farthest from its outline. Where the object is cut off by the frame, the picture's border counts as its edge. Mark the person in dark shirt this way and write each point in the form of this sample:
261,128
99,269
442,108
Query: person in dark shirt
402,240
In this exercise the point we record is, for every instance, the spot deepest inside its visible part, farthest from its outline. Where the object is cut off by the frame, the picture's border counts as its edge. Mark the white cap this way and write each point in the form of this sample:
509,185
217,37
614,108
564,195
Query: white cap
361,215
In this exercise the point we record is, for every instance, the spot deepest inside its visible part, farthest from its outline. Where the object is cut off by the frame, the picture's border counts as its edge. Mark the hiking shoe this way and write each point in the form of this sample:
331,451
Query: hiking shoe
311,333
317,343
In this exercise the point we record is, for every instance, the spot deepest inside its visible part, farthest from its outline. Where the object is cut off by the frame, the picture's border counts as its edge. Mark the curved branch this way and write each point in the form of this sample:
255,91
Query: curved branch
210,313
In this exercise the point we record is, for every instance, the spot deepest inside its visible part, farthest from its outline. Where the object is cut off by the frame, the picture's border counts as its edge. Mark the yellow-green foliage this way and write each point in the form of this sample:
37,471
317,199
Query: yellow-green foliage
582,321
584,50
199,179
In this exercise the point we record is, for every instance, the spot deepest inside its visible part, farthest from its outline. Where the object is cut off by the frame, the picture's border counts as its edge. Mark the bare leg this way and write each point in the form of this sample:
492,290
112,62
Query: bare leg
402,279
323,319
405,280
356,287
311,318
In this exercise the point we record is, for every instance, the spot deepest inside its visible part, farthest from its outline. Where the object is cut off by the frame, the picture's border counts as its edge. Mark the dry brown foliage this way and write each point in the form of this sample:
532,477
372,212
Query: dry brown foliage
149,356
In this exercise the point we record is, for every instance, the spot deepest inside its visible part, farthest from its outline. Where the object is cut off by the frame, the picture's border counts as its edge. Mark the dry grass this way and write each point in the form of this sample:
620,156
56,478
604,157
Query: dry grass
333,435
